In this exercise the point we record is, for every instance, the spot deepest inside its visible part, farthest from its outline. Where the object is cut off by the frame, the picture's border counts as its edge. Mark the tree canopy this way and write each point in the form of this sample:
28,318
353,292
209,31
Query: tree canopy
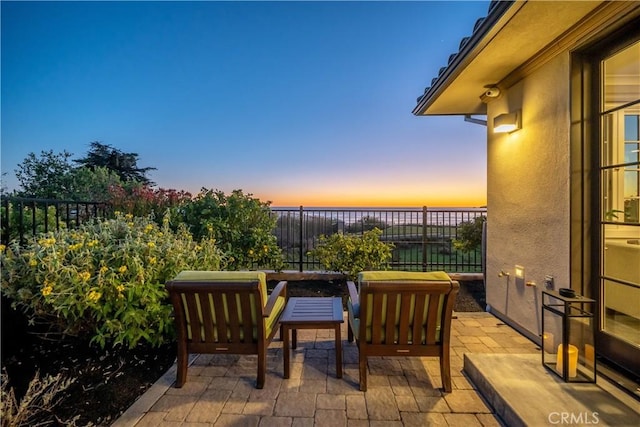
53,175
123,164
46,176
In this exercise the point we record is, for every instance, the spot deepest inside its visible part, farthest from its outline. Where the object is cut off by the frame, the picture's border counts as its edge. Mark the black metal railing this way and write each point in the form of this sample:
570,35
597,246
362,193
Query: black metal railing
23,218
423,237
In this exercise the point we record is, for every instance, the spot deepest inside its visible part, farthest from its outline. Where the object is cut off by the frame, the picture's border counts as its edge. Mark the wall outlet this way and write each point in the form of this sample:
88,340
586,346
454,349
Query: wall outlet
549,283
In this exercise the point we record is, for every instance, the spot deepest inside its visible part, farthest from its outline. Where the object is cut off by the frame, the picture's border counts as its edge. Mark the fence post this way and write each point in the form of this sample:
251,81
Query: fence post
424,238
301,235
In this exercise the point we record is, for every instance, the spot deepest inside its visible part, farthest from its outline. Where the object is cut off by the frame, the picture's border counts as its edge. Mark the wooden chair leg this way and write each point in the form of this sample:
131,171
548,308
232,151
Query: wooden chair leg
363,372
262,367
445,370
183,359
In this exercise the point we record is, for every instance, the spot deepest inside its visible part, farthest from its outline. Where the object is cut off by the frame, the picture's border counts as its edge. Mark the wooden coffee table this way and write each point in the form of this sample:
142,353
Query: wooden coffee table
311,313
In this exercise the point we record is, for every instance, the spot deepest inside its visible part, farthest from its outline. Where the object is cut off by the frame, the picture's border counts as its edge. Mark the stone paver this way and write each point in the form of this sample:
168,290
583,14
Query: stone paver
220,389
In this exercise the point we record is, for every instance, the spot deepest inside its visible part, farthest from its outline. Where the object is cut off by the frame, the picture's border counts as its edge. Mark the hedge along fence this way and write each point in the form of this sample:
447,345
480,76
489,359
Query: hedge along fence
424,238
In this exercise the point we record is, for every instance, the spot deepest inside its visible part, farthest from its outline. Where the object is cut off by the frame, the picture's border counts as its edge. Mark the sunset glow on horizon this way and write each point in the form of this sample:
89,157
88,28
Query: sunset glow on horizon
297,103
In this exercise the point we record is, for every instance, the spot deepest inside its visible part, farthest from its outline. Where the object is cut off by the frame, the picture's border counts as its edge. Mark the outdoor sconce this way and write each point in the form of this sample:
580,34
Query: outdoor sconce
507,122
519,272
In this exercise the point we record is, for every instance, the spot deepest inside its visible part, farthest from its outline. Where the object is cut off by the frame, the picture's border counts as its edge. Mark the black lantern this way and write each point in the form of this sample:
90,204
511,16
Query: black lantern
568,344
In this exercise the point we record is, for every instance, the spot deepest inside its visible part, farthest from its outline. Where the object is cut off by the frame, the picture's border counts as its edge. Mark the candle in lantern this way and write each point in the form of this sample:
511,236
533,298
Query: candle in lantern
572,351
547,342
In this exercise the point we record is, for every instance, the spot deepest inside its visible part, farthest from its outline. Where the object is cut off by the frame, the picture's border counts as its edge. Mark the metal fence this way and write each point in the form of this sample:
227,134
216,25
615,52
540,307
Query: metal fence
423,237
23,218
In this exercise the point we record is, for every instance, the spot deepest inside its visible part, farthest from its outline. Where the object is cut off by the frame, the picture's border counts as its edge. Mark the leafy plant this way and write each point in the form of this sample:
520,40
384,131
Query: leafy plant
142,200
35,407
241,225
46,176
469,234
351,254
105,278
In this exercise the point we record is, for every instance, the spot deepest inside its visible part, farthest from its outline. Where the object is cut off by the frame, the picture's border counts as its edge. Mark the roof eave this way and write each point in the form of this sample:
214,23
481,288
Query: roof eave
480,37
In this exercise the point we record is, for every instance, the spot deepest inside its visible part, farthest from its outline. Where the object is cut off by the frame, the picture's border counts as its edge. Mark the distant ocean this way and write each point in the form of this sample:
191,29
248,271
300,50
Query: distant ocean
390,216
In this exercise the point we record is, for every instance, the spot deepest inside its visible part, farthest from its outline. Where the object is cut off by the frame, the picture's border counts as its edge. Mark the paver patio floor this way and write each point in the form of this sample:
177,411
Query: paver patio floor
220,390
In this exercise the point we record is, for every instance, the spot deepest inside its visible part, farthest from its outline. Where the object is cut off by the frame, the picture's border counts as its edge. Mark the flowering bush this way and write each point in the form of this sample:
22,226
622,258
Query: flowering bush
351,254
105,278
142,200
241,224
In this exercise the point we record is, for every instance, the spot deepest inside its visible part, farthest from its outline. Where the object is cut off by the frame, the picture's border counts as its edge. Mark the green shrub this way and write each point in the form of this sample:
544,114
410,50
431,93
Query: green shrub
351,254
105,278
241,225
469,234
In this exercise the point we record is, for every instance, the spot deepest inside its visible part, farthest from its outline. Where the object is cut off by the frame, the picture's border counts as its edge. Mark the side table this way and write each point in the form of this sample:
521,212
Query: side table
311,313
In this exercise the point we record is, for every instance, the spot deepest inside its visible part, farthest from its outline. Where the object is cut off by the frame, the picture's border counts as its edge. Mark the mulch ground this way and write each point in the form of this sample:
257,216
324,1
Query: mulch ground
108,381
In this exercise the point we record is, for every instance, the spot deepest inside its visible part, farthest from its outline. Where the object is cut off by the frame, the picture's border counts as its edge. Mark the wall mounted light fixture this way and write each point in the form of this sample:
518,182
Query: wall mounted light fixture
507,122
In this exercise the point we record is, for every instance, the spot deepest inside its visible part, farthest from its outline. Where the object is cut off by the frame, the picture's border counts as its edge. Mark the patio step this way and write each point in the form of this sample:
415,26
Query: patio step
523,393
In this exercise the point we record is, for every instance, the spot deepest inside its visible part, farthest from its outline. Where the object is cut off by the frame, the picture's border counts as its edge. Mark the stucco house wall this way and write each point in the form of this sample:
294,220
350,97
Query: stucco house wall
528,191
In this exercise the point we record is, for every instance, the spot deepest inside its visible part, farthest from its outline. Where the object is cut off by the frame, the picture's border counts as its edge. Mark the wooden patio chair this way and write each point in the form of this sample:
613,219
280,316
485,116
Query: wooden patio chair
225,312
402,314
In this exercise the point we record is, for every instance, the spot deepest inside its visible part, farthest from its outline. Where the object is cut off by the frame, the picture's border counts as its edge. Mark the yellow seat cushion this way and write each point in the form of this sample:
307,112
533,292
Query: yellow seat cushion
399,276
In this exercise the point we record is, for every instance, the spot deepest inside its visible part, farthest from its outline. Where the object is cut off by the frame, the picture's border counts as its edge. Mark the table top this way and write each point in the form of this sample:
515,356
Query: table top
302,310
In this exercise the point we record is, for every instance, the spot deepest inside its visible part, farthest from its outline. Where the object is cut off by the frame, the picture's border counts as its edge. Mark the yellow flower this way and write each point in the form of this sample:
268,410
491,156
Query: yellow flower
33,262
94,296
2,248
84,276
250,251
209,228
130,224
198,248
47,242
148,228
128,216
266,248
151,245
120,288
47,290
123,269
117,213
152,260
104,269
92,243
160,234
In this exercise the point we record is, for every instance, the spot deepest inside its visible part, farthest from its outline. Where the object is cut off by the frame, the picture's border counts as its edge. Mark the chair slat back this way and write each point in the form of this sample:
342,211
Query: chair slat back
405,312
218,312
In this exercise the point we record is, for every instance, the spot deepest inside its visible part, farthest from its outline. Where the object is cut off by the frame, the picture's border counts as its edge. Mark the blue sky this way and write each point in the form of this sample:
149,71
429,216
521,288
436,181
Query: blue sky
296,102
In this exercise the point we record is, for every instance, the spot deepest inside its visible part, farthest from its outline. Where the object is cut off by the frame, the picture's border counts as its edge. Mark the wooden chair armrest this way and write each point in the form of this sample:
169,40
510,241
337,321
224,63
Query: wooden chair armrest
279,290
353,292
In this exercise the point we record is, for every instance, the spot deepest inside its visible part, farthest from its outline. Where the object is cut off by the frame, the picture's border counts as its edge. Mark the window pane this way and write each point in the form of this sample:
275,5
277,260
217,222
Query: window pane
622,311
631,128
622,77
